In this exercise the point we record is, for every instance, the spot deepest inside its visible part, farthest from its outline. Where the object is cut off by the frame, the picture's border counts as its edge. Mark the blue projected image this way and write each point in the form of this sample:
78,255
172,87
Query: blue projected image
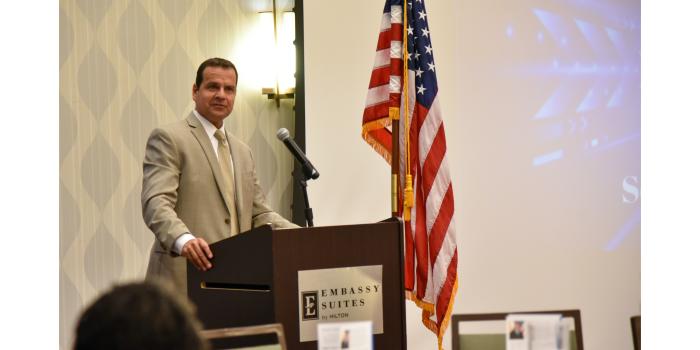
586,56
603,59
553,89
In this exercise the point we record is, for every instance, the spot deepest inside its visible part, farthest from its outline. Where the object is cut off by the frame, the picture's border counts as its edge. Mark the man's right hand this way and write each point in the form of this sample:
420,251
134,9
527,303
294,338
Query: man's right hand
198,253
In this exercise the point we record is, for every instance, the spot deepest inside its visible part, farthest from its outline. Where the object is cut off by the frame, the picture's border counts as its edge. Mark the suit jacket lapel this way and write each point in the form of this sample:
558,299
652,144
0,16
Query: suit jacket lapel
201,136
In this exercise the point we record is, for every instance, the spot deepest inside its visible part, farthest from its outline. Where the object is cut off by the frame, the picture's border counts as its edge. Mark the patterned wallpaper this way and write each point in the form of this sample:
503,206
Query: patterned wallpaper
127,66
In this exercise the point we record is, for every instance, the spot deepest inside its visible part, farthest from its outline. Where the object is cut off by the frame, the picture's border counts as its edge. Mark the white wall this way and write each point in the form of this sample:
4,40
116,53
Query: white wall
564,234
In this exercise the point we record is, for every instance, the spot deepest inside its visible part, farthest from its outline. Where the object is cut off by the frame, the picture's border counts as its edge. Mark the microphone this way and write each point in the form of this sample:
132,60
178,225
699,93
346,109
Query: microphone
309,171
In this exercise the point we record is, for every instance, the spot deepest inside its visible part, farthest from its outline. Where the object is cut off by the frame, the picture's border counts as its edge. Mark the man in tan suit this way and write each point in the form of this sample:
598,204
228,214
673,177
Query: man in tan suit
199,181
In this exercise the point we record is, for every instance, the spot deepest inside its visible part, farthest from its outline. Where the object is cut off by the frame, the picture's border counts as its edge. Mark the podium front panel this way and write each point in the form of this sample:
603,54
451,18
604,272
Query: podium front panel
336,247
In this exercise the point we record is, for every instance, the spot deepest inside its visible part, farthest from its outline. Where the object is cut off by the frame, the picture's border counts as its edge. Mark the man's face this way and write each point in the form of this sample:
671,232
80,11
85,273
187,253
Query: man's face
215,96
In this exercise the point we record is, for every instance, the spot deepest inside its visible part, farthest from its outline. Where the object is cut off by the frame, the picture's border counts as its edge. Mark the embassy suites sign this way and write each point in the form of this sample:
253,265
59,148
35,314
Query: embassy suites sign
340,294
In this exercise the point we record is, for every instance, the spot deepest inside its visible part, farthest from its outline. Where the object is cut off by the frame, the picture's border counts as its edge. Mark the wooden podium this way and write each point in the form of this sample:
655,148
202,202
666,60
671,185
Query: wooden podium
255,277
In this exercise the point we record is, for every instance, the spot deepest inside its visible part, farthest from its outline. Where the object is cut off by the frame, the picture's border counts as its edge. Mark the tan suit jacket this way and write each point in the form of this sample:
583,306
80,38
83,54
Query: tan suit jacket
182,192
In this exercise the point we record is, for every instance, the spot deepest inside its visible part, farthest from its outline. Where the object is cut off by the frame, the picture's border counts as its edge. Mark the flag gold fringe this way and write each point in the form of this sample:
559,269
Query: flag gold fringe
448,314
378,147
394,113
429,310
420,303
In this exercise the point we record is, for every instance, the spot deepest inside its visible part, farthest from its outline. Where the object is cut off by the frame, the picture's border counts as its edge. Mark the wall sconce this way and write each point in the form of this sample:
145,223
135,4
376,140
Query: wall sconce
283,54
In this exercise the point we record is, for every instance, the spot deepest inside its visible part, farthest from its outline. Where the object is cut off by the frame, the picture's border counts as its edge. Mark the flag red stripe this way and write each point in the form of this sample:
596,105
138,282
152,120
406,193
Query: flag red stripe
384,41
436,153
443,300
397,67
442,222
383,137
409,261
397,31
421,246
380,76
392,34
377,111
416,121
419,113
395,100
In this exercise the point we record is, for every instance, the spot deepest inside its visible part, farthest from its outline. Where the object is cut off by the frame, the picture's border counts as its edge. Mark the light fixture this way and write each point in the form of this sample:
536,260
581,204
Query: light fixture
283,54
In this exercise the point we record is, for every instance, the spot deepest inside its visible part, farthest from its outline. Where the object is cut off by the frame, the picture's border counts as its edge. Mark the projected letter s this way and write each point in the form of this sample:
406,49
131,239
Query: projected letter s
630,186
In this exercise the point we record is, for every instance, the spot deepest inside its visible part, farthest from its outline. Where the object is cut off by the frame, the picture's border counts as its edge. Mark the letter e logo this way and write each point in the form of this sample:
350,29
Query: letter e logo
309,305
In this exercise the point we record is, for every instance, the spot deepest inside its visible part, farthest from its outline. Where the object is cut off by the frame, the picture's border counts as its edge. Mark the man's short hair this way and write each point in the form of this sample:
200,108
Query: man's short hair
142,315
214,62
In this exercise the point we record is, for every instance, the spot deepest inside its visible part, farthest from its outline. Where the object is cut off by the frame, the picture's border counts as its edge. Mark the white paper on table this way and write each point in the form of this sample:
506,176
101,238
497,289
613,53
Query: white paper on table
542,332
517,333
345,335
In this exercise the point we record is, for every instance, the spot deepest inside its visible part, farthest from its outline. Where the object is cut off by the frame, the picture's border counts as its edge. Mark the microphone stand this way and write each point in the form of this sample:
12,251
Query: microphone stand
308,212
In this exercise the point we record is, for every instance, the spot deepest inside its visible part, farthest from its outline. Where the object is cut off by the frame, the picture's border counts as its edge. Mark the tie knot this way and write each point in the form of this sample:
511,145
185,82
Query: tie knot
220,136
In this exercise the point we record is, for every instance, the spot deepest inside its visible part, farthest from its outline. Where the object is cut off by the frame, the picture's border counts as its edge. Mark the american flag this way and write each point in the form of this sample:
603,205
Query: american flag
430,236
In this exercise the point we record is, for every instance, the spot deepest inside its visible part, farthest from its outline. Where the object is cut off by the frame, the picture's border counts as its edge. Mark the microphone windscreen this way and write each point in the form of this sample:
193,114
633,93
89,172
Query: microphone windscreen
282,134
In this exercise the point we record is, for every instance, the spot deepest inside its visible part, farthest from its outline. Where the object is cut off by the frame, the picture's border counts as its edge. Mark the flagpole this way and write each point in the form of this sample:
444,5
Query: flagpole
395,168
408,183
395,115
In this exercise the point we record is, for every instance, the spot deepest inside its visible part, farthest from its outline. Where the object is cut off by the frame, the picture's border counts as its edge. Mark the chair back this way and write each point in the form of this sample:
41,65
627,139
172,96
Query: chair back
262,337
488,330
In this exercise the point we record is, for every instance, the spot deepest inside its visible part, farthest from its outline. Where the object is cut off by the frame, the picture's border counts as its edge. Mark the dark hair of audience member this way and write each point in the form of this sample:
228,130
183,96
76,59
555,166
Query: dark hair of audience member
142,315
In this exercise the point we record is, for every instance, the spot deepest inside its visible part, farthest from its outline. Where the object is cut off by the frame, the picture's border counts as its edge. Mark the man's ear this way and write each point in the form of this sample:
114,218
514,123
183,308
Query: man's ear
194,90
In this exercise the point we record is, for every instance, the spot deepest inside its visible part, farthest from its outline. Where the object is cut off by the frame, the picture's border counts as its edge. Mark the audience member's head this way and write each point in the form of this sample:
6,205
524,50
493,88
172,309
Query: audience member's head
139,316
